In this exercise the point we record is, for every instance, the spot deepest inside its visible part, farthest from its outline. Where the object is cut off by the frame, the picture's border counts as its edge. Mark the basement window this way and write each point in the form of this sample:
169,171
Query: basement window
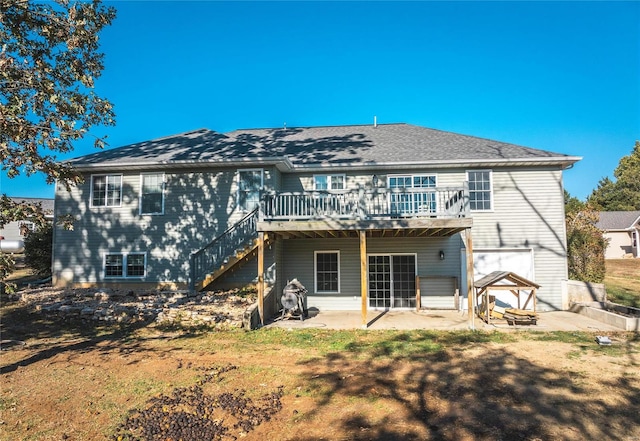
327,271
125,265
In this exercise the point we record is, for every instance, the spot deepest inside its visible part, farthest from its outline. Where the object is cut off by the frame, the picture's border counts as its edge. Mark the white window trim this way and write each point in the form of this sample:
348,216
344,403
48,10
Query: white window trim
492,200
124,266
329,176
315,271
261,170
140,193
106,198
415,265
412,188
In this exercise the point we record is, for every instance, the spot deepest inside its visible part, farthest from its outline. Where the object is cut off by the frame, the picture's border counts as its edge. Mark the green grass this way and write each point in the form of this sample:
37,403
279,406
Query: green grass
622,281
622,295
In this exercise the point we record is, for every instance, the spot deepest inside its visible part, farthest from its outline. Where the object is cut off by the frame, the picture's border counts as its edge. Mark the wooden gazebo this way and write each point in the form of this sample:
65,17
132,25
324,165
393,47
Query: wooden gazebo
507,281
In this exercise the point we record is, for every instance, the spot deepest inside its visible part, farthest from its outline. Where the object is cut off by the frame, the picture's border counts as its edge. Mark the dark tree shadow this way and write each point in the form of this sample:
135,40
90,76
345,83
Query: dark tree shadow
449,395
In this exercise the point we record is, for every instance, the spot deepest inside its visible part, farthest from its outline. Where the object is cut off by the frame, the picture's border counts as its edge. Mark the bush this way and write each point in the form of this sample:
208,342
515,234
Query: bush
585,246
37,250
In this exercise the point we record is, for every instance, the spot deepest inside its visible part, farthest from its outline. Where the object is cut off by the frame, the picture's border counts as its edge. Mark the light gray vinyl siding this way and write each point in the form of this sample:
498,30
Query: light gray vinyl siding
296,182
198,207
11,231
528,214
298,262
247,272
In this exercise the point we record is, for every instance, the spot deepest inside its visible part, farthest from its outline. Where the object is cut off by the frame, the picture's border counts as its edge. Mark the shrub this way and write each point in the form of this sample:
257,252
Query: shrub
37,249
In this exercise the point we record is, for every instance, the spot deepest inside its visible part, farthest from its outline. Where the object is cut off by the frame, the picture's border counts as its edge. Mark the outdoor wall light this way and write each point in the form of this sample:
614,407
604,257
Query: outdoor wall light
374,180
441,255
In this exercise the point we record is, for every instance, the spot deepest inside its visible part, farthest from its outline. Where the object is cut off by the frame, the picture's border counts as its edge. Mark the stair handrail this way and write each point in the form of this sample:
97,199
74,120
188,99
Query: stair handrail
211,256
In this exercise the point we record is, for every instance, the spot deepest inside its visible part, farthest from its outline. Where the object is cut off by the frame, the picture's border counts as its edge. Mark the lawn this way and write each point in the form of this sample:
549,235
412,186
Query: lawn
67,379
622,281
78,381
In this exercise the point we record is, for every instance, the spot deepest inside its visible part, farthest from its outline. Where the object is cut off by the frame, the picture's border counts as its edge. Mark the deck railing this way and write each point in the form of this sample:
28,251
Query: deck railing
212,256
439,202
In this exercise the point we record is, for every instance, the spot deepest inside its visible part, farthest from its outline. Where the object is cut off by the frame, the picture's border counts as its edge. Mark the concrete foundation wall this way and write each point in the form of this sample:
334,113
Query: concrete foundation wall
581,292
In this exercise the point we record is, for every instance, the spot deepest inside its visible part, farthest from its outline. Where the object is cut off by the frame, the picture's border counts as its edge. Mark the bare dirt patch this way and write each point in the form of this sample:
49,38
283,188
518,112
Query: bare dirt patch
77,379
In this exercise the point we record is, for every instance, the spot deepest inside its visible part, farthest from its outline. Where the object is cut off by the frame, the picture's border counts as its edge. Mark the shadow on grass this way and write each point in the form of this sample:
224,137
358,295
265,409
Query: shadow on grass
446,395
50,335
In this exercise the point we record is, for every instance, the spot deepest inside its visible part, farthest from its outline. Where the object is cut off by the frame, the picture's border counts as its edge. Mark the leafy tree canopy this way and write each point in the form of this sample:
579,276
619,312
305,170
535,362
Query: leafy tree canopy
49,60
585,243
624,193
572,204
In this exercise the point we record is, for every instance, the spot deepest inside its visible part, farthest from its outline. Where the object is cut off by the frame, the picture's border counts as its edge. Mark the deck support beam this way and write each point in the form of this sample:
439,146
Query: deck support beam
468,246
261,276
363,275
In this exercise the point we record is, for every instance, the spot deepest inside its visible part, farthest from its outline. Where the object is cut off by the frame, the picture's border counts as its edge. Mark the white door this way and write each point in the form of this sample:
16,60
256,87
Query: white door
519,262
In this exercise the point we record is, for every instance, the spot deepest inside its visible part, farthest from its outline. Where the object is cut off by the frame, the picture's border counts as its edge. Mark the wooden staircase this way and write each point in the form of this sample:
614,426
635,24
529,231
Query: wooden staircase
235,246
240,257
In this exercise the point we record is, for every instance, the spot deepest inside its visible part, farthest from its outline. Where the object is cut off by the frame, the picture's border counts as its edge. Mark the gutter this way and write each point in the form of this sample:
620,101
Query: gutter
284,164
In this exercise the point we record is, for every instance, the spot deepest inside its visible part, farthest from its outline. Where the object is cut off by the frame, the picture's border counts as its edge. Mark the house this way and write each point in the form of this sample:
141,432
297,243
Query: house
15,230
622,228
365,216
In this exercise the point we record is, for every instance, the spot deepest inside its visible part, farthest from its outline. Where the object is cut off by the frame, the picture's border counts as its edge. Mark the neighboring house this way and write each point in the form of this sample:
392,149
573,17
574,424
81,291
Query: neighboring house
622,228
15,230
358,214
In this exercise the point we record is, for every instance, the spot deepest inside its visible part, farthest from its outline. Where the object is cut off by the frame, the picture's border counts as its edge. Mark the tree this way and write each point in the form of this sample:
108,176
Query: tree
572,204
37,249
49,59
585,245
624,193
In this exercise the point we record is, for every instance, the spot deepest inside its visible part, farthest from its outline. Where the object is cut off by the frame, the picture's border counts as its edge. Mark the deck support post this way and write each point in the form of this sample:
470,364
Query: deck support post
468,245
261,276
363,275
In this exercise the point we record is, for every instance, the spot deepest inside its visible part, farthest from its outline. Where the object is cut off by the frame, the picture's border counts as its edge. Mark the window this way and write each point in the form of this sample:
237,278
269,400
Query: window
480,190
329,182
327,271
250,184
413,201
152,193
26,228
106,190
125,265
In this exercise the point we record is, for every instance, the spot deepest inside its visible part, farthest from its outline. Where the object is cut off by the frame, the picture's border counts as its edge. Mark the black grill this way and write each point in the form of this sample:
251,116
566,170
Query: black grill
293,300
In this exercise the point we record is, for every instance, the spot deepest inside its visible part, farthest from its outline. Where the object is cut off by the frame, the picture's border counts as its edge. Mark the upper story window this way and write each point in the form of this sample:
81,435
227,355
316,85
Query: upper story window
414,201
250,183
480,190
106,190
152,193
329,182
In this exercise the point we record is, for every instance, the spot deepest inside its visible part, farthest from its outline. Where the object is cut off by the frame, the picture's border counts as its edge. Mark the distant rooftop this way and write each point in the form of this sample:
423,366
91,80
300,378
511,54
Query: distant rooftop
618,220
46,203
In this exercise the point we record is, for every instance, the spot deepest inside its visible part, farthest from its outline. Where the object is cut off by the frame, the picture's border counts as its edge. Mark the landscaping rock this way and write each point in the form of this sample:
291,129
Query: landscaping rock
224,309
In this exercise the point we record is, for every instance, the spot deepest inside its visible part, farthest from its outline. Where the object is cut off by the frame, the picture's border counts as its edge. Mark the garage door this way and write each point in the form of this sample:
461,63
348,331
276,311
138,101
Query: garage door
515,261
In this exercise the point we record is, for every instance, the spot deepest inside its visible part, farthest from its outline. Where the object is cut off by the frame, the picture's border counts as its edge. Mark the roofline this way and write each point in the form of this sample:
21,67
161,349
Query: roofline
284,163
566,162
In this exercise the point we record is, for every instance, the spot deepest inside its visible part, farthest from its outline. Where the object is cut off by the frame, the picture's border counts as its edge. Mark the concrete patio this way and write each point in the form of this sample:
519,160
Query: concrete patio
439,320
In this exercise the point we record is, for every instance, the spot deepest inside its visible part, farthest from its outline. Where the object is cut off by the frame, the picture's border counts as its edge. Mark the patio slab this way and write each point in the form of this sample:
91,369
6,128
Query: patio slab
439,320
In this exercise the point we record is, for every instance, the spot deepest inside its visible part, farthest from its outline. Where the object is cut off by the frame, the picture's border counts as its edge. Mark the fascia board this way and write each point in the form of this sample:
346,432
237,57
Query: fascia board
565,162
282,163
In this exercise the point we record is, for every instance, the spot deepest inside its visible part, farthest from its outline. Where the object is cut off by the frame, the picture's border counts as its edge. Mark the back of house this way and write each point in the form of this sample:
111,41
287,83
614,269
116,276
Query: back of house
365,217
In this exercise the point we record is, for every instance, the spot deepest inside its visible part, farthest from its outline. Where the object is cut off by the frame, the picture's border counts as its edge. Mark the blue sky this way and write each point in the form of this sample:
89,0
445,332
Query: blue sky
558,76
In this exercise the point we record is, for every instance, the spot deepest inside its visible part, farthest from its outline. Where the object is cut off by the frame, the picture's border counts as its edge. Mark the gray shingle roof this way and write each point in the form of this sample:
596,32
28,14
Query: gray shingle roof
385,144
46,204
618,220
